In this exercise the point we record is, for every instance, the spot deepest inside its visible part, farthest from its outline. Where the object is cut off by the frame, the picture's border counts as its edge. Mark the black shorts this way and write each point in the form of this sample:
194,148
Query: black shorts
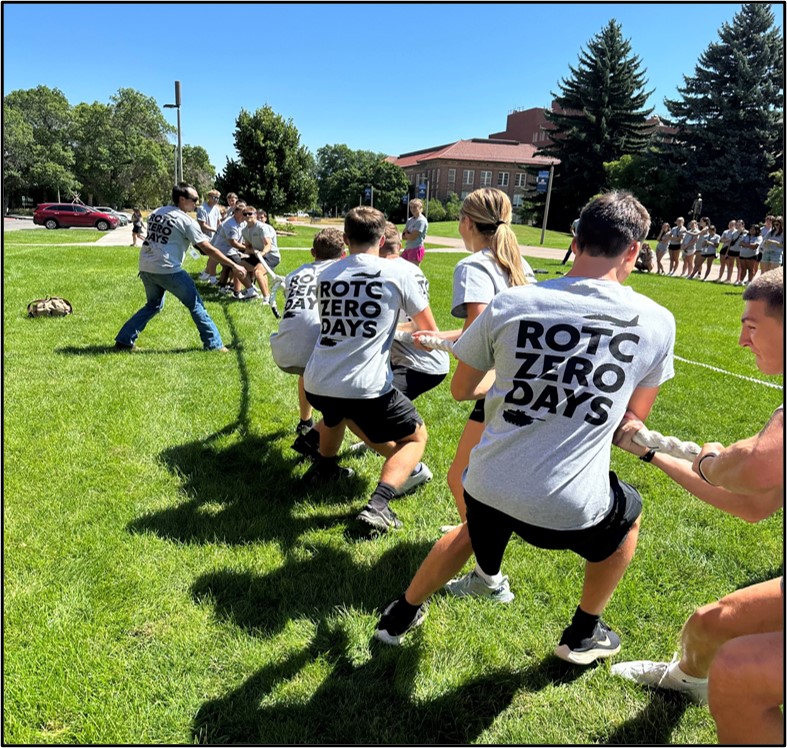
722,251
733,253
271,261
674,247
136,229
412,383
758,257
252,260
387,418
490,529
477,413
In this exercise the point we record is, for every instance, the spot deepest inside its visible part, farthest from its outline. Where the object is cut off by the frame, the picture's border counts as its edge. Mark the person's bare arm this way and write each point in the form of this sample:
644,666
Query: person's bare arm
748,505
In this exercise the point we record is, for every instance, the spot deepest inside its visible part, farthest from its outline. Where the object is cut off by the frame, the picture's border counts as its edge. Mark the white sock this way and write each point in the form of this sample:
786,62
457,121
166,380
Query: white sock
492,580
675,672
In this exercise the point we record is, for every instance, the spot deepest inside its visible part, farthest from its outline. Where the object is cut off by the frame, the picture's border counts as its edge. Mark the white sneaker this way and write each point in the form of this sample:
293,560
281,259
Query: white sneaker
421,474
662,675
471,585
226,291
445,529
212,280
203,276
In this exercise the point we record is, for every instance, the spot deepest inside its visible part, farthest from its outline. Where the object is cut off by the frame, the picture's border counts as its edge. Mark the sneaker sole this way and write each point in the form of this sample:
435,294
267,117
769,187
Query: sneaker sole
584,658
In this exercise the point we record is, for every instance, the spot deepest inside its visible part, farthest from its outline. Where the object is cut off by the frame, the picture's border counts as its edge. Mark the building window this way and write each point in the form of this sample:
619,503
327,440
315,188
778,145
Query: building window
535,137
452,175
517,200
468,176
521,179
502,179
464,194
486,179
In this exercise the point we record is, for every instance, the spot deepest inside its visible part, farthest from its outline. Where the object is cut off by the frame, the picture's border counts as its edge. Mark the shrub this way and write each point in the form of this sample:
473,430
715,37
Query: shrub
436,210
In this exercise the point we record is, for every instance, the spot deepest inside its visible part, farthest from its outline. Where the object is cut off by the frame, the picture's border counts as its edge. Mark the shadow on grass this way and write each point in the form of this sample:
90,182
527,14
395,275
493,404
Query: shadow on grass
653,725
330,578
240,487
93,350
367,704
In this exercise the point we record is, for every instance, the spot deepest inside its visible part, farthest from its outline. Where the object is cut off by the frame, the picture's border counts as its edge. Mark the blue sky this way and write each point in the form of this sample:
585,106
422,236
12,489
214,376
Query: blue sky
383,77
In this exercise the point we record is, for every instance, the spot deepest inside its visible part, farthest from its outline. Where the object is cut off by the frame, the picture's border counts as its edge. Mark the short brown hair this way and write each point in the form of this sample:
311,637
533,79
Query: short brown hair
609,223
328,244
393,242
364,226
768,287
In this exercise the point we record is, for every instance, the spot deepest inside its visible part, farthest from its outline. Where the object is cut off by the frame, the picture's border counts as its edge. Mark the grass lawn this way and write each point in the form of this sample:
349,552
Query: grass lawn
55,237
168,578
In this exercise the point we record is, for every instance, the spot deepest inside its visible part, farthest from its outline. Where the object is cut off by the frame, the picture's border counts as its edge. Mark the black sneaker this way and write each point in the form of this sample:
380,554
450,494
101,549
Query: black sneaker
603,642
275,310
303,428
317,475
380,518
395,623
308,444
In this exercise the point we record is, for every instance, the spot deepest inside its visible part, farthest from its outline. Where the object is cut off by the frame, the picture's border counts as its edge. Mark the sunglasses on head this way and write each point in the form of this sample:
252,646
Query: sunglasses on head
250,213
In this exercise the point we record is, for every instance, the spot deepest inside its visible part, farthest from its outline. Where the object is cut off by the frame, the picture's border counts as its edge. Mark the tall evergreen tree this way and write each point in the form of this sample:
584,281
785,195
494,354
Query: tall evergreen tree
598,117
730,118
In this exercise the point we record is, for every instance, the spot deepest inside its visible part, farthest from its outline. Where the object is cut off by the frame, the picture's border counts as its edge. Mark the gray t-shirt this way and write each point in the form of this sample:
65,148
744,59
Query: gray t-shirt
478,278
299,328
568,354
229,229
359,301
406,354
210,216
170,233
416,224
270,232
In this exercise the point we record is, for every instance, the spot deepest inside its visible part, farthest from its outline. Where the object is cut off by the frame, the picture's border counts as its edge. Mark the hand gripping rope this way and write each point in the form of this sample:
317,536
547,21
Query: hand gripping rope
669,445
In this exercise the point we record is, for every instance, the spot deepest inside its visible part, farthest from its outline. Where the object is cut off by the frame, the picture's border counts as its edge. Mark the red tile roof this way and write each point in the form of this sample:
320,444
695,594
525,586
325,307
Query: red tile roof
477,149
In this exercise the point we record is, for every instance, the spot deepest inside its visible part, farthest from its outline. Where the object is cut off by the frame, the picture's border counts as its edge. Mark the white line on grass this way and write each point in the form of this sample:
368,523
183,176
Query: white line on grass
729,373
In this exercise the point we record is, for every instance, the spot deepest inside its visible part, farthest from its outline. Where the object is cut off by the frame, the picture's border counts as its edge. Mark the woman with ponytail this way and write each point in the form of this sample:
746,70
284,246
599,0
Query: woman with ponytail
494,265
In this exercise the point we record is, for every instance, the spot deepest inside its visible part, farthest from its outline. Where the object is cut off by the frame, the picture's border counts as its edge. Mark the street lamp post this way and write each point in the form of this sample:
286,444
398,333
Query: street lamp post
179,152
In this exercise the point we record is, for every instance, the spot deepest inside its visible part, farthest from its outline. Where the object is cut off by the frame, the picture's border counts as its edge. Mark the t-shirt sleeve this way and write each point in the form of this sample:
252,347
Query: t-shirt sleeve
474,346
413,298
664,364
471,285
202,214
193,232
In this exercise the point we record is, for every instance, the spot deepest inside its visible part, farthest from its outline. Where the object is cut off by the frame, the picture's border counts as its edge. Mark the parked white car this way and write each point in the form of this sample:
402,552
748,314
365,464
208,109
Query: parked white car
123,218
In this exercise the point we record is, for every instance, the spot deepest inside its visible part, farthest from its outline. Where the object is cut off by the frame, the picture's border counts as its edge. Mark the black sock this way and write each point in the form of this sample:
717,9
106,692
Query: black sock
327,464
308,422
582,624
382,495
403,612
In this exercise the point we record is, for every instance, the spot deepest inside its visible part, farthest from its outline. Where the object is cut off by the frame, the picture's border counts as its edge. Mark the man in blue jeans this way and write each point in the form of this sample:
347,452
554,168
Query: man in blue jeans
170,232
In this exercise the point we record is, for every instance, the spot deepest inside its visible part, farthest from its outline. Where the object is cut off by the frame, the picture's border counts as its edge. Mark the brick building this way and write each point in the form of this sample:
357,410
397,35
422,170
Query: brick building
466,165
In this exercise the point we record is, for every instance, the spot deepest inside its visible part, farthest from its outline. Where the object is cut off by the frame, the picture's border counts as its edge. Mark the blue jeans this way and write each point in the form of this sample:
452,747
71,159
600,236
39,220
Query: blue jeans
182,287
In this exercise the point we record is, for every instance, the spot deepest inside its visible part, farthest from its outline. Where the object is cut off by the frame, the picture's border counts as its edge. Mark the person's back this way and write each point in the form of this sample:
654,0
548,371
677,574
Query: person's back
568,354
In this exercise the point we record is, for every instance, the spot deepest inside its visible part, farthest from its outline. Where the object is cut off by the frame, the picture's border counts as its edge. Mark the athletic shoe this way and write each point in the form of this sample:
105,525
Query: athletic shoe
123,348
249,293
274,308
662,675
226,291
213,280
421,474
303,428
379,518
603,642
318,476
393,626
203,276
308,444
471,585
358,448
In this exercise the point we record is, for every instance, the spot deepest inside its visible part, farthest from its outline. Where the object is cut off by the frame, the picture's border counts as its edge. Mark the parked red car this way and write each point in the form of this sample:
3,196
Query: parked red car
65,215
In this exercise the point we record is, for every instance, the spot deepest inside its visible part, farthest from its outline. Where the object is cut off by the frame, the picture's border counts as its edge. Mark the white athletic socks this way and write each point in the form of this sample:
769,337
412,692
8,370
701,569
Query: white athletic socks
493,580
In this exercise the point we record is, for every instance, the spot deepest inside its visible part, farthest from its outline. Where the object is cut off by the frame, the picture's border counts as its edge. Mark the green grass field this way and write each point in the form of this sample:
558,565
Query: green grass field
54,238
169,579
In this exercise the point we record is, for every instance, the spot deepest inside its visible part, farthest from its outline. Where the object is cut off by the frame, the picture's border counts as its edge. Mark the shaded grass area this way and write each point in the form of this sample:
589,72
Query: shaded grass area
54,238
170,578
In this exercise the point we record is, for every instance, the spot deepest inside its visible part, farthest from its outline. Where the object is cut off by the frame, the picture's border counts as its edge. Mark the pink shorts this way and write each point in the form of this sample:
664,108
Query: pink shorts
414,254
